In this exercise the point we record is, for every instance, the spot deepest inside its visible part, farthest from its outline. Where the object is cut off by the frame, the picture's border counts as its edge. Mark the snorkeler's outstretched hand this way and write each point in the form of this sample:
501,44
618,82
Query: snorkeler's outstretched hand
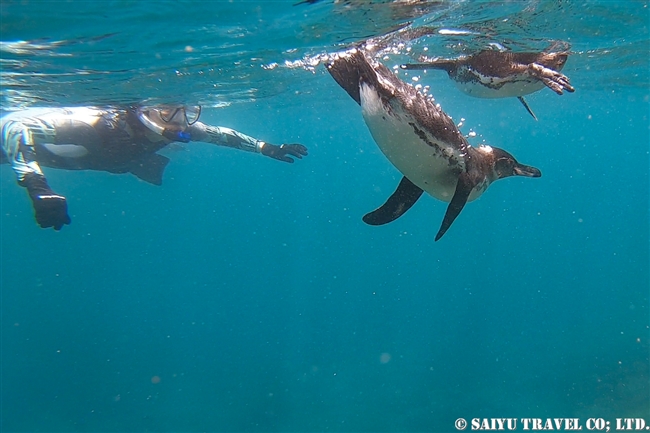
284,152
50,208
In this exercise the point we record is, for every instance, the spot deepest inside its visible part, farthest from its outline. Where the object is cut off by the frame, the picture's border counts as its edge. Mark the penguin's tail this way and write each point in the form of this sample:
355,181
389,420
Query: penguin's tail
349,69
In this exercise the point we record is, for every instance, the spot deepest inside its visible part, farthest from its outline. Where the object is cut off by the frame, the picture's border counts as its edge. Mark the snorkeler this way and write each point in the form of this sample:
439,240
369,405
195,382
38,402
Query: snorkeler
117,140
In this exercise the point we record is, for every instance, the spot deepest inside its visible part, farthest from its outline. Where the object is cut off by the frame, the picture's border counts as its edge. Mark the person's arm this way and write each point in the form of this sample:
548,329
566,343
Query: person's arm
50,209
231,138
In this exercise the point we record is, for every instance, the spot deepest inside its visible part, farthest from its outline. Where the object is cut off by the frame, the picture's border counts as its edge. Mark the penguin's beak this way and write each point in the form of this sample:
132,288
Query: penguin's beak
526,170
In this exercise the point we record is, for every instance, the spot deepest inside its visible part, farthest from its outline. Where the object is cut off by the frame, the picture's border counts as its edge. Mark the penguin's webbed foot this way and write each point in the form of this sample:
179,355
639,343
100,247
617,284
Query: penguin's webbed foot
554,80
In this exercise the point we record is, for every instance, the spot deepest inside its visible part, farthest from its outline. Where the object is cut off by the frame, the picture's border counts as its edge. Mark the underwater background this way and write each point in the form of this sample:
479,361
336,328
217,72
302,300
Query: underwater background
245,294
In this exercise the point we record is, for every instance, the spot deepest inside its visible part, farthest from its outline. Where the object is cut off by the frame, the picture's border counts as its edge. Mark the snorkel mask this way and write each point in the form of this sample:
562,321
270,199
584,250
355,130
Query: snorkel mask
170,121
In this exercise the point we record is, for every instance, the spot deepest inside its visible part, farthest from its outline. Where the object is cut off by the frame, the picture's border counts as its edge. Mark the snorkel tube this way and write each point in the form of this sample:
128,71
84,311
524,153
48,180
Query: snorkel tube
182,136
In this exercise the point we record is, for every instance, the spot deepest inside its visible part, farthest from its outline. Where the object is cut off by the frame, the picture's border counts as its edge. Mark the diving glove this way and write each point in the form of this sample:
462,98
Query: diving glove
50,209
282,153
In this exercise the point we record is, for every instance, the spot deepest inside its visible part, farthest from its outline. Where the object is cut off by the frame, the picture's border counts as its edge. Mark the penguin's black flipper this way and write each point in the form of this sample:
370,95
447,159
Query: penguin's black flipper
397,204
442,64
523,101
463,189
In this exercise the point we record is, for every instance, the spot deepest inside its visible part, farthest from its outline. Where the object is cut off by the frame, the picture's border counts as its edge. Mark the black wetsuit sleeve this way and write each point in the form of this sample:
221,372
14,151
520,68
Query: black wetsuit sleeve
224,137
18,146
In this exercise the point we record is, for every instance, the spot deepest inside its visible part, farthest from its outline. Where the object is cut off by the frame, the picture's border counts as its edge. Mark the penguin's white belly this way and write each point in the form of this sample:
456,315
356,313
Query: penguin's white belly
494,87
426,166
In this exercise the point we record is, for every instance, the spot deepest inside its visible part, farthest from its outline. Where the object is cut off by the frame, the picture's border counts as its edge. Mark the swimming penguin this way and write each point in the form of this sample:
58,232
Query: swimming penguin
420,140
504,74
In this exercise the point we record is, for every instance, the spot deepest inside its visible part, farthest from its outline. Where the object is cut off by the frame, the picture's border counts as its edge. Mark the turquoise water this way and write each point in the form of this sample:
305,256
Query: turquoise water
245,294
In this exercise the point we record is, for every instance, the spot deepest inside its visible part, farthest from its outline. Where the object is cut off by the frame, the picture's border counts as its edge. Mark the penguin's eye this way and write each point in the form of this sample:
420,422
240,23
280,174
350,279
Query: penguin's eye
504,167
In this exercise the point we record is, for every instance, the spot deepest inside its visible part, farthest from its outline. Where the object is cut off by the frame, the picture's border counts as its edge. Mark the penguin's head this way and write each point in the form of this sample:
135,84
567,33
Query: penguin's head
505,165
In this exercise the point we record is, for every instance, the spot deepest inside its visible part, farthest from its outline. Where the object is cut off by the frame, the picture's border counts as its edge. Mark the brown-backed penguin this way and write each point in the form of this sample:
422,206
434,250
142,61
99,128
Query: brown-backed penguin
503,74
420,140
